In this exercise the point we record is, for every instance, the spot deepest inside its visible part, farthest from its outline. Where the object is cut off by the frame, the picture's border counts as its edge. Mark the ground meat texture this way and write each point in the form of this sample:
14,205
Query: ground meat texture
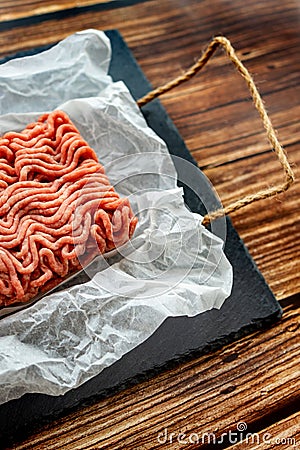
58,209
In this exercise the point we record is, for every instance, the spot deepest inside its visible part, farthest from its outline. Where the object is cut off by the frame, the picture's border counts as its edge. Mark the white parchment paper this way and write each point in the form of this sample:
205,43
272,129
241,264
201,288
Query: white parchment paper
173,266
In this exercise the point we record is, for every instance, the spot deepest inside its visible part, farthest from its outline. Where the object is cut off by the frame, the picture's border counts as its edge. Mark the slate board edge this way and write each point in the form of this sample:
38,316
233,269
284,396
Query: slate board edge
206,348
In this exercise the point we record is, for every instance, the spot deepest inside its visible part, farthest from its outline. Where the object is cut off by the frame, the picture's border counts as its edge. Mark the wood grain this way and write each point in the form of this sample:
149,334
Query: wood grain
271,228
210,394
30,8
213,112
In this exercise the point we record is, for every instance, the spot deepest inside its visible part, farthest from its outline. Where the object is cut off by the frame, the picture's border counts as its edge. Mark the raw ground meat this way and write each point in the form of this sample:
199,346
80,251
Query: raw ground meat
57,208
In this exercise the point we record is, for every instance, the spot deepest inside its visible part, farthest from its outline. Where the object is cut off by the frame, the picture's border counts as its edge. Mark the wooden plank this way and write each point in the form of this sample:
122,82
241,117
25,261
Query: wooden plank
21,9
233,129
244,382
270,228
285,433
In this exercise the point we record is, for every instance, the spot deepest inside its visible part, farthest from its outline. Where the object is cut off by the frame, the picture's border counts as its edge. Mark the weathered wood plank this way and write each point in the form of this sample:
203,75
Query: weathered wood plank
21,9
246,381
270,228
233,130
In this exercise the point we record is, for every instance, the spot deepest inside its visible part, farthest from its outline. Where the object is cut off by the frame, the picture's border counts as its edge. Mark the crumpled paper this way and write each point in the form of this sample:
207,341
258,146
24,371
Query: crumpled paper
173,266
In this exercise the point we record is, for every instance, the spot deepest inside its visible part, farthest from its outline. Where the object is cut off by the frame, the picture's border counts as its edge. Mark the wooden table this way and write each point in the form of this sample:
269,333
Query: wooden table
256,379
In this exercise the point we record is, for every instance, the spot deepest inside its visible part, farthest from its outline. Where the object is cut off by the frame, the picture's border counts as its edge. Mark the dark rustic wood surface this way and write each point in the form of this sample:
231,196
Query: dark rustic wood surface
255,380
27,8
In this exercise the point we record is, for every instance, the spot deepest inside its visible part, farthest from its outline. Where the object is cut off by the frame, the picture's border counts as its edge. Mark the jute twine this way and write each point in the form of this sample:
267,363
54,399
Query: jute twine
258,103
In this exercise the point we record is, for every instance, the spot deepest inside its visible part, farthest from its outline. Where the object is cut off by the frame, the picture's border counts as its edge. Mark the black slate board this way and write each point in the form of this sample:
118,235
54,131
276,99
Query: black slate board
250,306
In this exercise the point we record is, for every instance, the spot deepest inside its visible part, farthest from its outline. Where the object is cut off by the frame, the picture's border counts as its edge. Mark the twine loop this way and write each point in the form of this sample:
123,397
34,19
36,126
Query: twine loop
258,103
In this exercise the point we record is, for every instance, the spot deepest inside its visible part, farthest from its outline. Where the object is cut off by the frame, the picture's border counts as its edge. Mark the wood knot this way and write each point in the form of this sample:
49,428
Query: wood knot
228,389
293,327
231,357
